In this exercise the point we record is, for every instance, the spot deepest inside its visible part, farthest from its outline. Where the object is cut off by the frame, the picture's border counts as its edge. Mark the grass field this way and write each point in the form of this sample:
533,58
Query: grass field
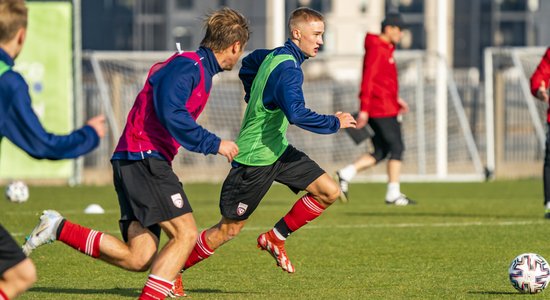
456,244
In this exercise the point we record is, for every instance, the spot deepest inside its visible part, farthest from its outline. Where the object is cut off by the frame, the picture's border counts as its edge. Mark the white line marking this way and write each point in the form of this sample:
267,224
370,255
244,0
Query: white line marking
398,225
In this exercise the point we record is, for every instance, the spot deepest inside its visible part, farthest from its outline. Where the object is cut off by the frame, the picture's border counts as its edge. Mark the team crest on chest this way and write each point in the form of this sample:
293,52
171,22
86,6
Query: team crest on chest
177,199
241,209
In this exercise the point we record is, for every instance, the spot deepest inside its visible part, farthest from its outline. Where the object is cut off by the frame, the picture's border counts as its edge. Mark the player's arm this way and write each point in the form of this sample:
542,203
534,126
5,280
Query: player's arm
23,128
541,77
290,98
172,87
249,68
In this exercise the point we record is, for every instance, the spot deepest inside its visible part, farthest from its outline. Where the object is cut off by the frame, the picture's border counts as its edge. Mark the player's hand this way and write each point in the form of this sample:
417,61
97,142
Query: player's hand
346,120
542,93
98,124
228,149
362,119
403,106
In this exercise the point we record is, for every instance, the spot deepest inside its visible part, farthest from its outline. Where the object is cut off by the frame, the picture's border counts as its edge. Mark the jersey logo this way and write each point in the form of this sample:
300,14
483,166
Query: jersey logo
177,200
391,60
241,209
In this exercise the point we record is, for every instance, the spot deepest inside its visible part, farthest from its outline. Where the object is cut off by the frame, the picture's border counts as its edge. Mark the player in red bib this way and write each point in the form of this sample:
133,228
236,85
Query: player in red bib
150,195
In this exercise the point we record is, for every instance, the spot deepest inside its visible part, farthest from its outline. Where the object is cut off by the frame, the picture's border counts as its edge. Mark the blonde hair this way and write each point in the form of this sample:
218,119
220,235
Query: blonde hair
13,16
225,27
303,14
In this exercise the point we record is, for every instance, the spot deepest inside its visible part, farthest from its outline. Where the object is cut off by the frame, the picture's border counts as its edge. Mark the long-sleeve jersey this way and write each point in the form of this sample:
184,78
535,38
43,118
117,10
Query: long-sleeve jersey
542,73
21,126
168,95
379,86
284,89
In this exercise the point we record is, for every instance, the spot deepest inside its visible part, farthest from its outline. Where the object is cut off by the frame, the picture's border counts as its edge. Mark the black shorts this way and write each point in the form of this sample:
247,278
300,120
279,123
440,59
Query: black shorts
10,252
148,192
387,140
245,186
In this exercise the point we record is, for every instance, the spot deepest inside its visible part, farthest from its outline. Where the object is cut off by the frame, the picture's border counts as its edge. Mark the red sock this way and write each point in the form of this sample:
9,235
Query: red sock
200,252
3,296
155,288
306,209
81,238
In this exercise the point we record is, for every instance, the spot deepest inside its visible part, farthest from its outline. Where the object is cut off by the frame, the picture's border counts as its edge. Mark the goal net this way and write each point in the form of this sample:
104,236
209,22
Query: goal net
111,80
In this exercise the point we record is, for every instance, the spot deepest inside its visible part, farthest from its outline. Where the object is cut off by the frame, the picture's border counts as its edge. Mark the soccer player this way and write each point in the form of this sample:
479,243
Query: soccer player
272,82
380,106
20,125
539,89
150,195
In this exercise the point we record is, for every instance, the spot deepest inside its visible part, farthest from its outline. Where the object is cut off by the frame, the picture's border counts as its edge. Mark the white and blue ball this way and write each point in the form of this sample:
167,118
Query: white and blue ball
529,273
17,191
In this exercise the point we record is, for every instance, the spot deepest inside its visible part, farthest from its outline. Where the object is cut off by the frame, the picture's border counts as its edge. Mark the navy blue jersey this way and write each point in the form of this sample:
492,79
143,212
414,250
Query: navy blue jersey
284,89
21,126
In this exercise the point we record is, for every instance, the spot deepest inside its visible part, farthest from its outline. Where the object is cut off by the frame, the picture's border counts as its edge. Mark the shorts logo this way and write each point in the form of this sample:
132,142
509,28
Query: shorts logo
241,209
178,200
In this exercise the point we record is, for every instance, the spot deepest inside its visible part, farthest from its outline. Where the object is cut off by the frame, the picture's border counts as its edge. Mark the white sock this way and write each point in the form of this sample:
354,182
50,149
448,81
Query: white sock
393,191
347,173
278,234
547,206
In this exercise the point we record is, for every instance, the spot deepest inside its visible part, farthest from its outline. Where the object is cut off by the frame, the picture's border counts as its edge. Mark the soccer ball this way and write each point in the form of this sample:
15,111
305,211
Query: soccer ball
17,192
529,273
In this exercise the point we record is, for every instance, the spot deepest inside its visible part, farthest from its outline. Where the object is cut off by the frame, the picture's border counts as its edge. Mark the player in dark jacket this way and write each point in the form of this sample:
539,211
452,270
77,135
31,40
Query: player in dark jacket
21,126
380,107
539,89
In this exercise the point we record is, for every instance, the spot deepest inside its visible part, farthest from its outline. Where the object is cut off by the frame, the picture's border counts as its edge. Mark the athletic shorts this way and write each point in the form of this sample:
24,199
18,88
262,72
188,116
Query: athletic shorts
387,140
245,186
148,192
10,252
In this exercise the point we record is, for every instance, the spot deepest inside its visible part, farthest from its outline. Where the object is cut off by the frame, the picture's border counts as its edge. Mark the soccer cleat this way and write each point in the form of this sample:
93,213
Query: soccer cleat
45,232
276,247
547,213
177,289
401,200
344,188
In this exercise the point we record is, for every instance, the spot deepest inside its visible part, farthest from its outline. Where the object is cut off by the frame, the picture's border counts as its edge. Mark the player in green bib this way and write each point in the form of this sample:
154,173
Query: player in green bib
273,80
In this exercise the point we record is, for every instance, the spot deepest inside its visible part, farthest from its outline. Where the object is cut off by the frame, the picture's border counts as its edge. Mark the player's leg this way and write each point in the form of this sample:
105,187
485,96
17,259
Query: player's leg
17,272
182,235
546,175
298,172
135,255
346,174
394,145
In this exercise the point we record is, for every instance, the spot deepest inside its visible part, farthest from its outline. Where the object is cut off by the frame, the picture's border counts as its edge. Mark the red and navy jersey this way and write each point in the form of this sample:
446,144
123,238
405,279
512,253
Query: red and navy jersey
165,111
379,86
542,73
20,125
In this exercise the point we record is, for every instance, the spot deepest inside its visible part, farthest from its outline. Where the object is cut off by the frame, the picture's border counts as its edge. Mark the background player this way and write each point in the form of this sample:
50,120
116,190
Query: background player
539,88
21,126
150,195
380,106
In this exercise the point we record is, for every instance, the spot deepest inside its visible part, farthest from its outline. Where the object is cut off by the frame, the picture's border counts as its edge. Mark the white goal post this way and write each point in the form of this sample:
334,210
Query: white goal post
111,81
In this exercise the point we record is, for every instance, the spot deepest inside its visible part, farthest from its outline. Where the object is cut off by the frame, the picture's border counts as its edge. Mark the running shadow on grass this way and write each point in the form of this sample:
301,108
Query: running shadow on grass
127,292
492,293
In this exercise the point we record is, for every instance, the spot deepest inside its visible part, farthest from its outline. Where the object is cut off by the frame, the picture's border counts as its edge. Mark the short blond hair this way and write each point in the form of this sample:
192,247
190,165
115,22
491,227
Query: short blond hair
303,14
13,16
225,27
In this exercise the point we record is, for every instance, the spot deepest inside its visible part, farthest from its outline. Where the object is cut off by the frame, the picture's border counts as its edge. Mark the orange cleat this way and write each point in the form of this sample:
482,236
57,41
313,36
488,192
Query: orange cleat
177,290
269,242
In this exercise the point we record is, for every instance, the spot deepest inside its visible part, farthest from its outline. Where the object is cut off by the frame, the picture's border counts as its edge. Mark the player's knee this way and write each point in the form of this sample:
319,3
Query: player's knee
328,194
140,263
379,155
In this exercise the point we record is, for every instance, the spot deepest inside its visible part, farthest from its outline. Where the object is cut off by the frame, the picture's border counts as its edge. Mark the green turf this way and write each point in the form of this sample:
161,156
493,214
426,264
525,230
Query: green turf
456,244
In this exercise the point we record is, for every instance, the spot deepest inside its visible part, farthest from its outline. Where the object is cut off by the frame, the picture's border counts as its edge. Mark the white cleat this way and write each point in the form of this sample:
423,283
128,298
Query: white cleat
401,200
45,232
